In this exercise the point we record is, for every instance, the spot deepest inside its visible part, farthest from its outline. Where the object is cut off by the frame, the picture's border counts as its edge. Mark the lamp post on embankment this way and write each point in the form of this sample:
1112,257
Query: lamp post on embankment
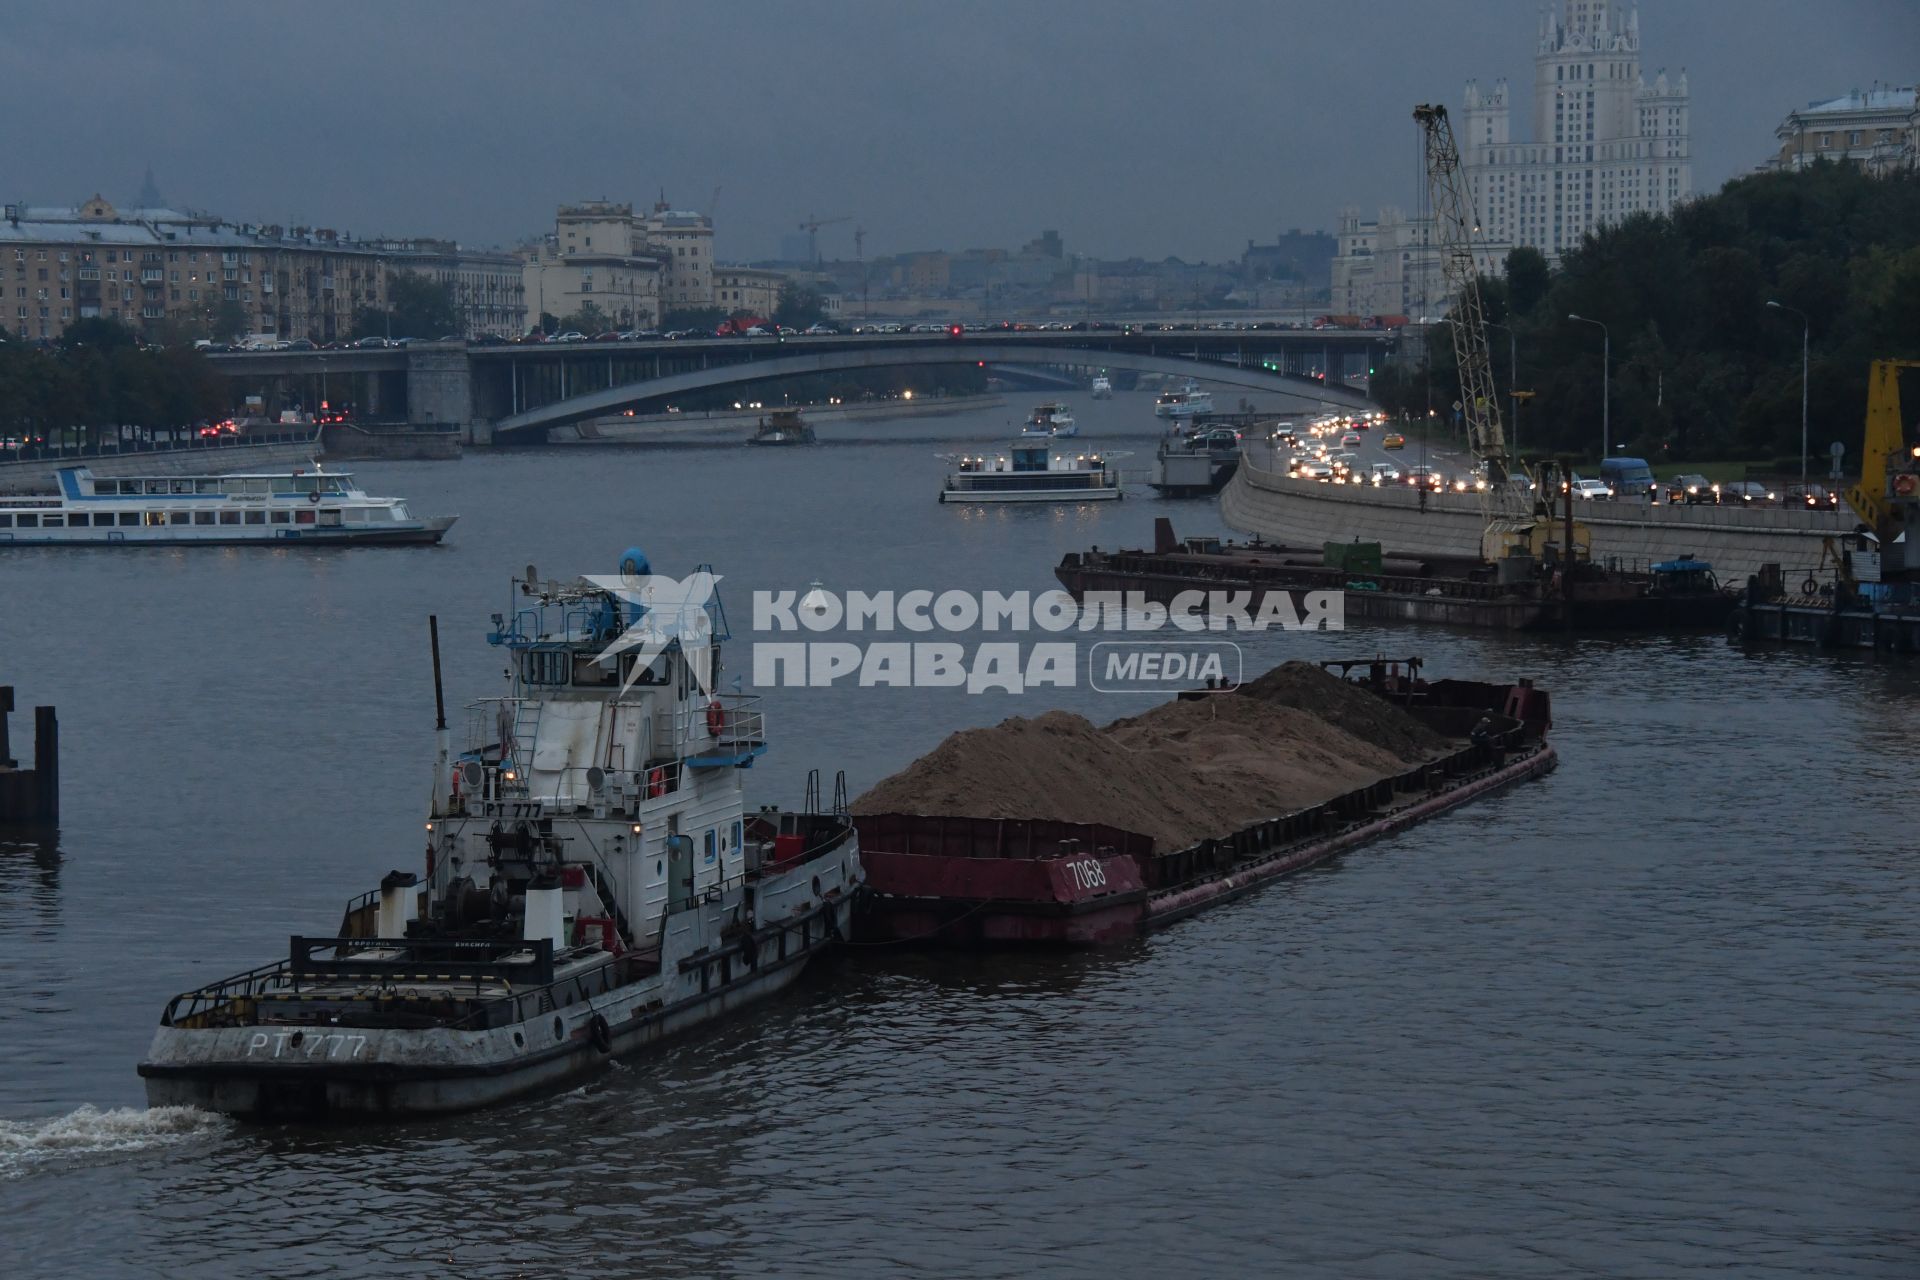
1806,331
1606,370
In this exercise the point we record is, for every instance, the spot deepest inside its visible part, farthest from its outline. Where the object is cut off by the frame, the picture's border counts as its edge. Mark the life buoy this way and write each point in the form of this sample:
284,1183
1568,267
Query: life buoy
656,781
1905,484
314,498
600,1033
716,717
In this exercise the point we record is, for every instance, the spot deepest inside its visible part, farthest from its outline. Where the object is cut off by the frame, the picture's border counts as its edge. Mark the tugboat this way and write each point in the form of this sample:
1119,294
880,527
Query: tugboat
592,885
1036,473
309,508
1102,387
784,427
1051,422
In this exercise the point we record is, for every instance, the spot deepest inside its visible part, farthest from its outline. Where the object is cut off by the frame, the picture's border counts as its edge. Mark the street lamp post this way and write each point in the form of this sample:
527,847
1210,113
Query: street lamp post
1806,331
1606,370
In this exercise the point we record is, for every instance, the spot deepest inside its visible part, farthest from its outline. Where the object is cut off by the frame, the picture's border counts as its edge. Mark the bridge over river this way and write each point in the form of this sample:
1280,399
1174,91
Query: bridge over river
513,393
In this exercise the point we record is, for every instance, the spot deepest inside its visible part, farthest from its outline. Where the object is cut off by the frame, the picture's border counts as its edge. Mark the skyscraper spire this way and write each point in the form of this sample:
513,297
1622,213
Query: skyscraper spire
149,194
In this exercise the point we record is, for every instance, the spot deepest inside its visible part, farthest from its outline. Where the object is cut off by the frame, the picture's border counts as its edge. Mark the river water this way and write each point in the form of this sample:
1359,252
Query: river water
1652,1016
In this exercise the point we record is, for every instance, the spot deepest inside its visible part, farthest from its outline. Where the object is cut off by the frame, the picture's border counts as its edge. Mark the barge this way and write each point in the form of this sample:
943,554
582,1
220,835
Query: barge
987,881
1679,594
592,885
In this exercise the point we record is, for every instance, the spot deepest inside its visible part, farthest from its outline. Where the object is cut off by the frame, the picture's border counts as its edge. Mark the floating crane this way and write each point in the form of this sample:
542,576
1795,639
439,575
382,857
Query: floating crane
1454,223
812,227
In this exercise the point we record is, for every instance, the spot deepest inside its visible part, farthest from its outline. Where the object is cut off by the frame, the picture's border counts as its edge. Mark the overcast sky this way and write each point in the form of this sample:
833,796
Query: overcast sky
1133,127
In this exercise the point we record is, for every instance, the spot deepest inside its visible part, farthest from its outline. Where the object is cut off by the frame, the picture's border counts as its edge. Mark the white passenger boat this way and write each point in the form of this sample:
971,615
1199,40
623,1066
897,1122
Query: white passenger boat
1050,422
1032,471
1184,403
308,507
593,884
1102,387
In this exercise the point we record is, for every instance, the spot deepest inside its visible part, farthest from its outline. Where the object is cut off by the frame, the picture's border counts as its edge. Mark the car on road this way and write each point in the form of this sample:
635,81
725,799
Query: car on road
1425,477
1315,469
373,343
1351,440
1393,440
1751,492
1383,473
1592,489
821,331
1692,489
571,335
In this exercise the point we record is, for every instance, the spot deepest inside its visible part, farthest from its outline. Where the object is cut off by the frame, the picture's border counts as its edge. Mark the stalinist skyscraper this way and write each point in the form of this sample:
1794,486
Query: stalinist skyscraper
1605,143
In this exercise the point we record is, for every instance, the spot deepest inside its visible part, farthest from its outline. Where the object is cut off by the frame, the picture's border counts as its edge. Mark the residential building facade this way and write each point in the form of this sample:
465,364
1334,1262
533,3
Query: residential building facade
1607,144
754,289
1877,129
148,266
488,287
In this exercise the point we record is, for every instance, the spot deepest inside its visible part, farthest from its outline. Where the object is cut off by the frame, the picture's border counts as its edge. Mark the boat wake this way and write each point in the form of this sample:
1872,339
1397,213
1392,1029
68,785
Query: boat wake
89,1131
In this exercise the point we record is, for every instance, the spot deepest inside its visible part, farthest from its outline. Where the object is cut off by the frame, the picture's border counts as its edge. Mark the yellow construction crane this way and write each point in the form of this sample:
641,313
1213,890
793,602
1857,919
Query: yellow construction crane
812,227
1510,510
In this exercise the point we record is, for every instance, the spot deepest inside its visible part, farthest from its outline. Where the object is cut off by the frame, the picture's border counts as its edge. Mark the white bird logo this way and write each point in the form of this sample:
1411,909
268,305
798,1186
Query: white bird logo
669,610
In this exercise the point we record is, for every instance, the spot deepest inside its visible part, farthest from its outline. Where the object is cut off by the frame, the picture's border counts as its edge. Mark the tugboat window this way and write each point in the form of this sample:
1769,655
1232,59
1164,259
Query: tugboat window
545,666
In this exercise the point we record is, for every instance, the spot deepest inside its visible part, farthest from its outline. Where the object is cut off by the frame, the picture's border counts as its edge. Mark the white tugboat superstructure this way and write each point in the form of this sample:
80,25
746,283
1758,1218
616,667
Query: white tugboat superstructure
593,884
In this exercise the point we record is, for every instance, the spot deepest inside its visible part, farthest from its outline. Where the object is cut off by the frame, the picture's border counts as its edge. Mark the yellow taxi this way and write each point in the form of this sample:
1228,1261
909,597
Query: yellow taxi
1393,440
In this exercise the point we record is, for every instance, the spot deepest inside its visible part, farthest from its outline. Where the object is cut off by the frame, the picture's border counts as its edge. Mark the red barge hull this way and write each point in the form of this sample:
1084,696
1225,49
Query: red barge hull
998,881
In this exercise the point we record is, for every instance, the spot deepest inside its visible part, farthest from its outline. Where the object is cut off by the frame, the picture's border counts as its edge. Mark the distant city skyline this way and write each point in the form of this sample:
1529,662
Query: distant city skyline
1135,129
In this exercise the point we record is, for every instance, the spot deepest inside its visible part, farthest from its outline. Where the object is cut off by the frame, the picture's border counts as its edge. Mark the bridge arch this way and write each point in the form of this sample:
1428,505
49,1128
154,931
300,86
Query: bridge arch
613,399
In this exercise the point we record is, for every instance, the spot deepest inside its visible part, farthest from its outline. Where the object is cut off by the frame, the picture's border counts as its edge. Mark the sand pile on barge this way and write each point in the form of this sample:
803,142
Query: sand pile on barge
1180,772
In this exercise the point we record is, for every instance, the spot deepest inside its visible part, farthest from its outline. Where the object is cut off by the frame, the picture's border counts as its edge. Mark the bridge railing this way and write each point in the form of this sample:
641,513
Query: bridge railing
22,450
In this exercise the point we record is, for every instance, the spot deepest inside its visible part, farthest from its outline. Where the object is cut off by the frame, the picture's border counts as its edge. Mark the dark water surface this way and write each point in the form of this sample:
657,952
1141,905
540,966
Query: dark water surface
1653,1016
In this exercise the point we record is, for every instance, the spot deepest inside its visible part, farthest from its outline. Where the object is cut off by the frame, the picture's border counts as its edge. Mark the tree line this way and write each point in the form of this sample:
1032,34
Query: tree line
97,375
1701,366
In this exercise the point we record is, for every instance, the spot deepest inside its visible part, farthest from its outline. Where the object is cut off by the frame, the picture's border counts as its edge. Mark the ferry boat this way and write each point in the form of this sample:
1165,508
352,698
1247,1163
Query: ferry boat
1032,471
308,507
593,883
1050,421
783,427
1102,387
1184,403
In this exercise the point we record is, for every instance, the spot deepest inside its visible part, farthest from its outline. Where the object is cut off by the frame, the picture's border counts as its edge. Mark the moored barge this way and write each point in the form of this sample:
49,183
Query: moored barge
986,881
1680,594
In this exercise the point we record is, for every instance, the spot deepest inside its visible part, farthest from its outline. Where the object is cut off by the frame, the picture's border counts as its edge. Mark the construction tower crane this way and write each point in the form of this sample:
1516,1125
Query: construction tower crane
1455,224
812,227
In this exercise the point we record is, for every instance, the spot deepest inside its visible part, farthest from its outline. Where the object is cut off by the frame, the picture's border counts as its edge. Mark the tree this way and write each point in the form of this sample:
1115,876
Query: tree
589,319
99,332
799,307
700,319
1527,280
416,308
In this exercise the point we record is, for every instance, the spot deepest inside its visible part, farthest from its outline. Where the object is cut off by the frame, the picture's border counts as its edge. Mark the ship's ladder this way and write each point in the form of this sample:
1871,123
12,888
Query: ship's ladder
526,728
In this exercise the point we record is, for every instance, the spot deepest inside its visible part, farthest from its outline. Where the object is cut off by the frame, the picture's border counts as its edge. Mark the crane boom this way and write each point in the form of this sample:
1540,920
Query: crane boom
1454,223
